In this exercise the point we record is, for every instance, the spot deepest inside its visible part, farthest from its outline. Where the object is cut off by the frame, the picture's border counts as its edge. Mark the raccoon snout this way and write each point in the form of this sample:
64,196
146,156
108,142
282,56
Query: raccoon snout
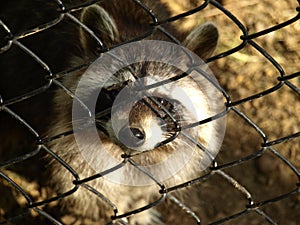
132,137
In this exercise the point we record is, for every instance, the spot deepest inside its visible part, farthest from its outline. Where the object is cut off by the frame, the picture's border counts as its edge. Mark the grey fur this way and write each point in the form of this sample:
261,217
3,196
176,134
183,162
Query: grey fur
83,203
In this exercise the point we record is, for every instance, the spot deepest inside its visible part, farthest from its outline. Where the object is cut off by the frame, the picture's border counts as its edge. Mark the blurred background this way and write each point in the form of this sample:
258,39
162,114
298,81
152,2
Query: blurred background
261,150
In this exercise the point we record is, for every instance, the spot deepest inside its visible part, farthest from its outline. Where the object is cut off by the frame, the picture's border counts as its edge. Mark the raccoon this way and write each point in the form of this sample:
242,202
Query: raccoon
139,134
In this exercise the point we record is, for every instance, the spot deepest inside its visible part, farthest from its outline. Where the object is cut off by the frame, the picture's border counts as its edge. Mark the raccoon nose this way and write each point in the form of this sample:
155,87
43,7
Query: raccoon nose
131,136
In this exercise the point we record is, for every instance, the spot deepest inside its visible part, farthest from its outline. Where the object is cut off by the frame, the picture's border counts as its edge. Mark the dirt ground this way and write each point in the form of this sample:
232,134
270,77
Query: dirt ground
242,74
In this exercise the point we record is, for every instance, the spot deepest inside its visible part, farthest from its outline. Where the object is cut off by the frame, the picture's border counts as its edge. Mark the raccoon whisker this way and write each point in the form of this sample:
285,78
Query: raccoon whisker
187,143
164,125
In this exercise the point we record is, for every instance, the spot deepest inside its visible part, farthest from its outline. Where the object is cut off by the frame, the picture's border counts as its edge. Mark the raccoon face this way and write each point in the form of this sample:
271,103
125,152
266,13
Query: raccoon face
153,121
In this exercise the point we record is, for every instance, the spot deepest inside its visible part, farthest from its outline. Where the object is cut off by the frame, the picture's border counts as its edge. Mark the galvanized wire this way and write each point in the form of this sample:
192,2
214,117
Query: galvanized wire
15,40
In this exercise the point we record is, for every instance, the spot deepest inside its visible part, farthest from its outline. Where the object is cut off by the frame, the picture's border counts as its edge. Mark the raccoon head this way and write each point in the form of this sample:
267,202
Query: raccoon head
152,123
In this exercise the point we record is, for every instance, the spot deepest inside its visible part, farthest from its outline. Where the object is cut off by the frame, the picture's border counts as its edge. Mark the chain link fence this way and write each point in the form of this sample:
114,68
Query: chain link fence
255,177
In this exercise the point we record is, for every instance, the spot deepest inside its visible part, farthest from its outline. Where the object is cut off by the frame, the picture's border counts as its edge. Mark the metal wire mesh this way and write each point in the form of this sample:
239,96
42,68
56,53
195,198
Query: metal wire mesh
31,69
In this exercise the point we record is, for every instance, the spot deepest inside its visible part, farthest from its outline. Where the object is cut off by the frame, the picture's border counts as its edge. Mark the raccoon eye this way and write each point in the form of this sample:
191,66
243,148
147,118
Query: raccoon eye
166,103
163,102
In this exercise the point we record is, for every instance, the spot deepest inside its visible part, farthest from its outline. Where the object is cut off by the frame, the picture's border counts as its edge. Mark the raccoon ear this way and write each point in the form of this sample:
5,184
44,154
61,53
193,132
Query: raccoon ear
104,27
203,40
